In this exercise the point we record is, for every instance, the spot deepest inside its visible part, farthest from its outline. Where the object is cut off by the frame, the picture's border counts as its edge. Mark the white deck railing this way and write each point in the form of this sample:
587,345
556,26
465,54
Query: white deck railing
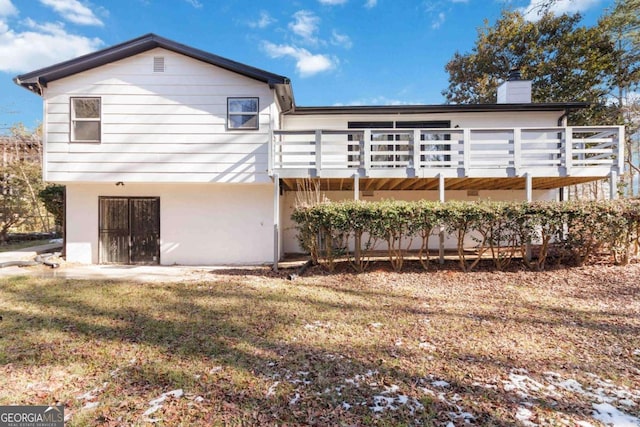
457,152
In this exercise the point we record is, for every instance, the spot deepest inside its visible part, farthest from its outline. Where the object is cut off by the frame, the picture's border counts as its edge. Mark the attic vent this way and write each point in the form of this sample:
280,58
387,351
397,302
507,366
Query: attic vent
158,64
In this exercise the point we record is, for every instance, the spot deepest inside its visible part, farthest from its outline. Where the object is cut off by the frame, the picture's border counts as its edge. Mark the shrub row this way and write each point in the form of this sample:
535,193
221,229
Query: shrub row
531,232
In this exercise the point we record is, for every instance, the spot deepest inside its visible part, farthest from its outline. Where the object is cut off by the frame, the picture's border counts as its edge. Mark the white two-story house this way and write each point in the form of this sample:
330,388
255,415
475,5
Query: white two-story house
172,155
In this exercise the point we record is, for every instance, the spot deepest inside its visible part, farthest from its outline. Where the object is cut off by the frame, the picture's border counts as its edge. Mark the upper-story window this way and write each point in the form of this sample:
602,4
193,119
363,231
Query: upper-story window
242,113
85,120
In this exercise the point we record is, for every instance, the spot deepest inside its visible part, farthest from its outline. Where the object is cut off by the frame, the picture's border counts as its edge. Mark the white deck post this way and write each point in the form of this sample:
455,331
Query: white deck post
276,221
441,235
613,185
356,186
528,186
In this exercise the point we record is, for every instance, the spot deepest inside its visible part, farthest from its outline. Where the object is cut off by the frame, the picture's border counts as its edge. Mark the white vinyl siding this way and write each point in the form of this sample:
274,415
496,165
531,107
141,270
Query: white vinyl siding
166,126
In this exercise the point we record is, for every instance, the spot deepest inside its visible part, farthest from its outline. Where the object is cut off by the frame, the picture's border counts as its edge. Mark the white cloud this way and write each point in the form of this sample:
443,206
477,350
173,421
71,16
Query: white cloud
343,40
369,4
263,22
194,3
307,64
532,11
438,21
73,11
305,25
7,8
40,46
459,1
377,100
332,2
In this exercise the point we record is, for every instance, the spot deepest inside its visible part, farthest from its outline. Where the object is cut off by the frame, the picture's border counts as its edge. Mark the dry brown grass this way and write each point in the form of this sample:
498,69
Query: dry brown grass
381,348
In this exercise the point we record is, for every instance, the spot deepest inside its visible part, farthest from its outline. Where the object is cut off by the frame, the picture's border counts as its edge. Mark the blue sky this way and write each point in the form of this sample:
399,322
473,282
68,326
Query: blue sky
336,52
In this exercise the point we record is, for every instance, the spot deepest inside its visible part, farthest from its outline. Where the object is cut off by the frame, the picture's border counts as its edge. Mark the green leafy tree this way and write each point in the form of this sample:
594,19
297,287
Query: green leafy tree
622,24
52,197
20,182
565,61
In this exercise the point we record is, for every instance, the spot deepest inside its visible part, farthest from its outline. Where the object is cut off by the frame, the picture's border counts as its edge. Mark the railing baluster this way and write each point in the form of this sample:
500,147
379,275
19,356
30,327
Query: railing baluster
318,148
367,151
417,148
466,150
517,150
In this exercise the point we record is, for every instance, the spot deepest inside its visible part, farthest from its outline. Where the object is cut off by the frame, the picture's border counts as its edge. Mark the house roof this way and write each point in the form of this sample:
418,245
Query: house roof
35,80
443,108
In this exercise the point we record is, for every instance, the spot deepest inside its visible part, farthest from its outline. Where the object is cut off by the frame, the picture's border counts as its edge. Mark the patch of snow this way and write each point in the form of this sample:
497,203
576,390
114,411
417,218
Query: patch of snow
380,403
272,389
398,343
55,241
450,424
571,385
608,414
636,352
215,369
88,395
440,383
151,410
584,424
91,405
173,393
317,324
392,389
524,415
346,406
375,325
295,399
199,399
426,346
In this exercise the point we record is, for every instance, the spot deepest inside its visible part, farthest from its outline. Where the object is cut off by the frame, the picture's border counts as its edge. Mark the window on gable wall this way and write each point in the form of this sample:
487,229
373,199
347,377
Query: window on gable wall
85,120
242,113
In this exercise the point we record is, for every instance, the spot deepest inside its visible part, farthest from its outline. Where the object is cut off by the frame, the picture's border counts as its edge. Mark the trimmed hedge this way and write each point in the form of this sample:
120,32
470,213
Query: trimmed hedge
531,232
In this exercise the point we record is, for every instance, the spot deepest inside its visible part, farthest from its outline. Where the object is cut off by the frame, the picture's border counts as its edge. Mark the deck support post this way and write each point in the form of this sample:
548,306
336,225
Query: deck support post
356,186
613,185
528,186
441,234
276,221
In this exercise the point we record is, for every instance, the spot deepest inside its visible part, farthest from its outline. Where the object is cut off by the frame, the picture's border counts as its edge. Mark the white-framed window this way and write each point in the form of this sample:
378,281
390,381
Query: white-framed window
242,113
85,119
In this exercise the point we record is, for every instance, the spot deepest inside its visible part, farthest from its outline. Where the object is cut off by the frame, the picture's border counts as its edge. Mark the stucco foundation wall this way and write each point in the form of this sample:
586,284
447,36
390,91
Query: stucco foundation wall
289,230
200,224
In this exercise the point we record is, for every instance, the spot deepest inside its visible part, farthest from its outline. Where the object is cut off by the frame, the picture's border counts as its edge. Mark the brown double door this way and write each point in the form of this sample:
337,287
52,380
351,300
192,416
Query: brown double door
129,230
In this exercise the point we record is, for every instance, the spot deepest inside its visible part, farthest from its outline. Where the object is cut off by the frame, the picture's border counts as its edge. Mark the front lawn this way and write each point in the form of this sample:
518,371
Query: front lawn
438,348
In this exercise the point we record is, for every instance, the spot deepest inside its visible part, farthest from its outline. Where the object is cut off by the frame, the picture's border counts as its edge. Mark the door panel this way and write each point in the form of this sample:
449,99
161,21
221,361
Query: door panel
145,231
114,231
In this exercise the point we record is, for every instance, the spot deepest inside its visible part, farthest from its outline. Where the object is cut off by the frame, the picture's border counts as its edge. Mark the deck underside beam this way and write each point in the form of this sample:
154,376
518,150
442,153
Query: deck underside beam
432,184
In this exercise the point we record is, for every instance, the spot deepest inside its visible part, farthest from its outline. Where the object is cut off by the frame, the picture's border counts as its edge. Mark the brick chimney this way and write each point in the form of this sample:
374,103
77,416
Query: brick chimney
514,90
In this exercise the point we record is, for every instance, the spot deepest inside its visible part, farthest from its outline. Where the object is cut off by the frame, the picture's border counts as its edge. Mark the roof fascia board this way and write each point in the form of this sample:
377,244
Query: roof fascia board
445,108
